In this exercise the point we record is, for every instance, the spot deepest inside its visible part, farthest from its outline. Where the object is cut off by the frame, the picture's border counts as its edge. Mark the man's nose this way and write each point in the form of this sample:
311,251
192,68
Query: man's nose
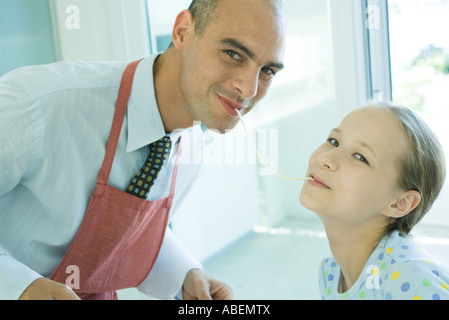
247,83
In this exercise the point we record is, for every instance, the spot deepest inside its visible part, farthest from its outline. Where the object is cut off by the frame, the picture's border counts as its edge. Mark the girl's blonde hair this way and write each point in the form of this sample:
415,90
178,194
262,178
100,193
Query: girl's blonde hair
422,169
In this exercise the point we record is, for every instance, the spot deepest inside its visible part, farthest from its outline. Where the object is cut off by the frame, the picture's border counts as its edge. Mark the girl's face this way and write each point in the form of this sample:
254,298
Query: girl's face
356,169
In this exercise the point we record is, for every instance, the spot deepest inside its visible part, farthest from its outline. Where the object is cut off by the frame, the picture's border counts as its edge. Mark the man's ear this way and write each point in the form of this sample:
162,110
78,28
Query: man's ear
403,205
183,26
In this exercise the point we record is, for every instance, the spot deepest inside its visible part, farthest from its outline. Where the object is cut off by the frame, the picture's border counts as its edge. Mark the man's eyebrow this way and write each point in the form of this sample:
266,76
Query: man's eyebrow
236,44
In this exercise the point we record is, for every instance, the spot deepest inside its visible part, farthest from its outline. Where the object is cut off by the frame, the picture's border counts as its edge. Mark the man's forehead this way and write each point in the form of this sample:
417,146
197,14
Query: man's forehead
256,28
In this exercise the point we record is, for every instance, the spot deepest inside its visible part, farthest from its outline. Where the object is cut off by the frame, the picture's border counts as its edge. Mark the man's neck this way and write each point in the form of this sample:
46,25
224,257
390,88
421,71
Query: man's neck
169,98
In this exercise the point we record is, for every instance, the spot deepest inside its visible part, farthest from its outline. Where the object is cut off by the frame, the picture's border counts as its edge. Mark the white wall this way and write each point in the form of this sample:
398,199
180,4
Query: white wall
223,205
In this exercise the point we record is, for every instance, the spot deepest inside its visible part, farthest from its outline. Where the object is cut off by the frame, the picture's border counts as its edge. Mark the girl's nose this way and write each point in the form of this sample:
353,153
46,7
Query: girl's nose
328,159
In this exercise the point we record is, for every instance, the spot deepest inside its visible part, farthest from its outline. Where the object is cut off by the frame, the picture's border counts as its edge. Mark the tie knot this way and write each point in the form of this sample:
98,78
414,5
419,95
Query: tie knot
161,146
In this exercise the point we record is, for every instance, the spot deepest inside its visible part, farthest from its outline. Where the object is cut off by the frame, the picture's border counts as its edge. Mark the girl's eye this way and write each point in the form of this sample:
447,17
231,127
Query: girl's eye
359,157
333,142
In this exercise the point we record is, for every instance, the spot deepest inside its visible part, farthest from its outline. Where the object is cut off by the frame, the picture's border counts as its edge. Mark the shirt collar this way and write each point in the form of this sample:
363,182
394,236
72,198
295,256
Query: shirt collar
144,120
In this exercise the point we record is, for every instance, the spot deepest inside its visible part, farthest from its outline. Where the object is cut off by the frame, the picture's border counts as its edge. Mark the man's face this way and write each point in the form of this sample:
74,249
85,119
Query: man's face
232,64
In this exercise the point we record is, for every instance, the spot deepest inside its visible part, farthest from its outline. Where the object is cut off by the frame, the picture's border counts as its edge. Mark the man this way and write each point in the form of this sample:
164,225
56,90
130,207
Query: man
61,226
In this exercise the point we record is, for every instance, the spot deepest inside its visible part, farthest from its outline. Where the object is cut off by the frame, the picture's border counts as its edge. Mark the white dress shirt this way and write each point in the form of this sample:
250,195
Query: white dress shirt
55,122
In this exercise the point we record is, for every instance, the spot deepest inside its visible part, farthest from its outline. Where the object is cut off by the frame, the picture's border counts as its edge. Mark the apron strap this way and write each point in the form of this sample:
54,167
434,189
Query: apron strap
119,115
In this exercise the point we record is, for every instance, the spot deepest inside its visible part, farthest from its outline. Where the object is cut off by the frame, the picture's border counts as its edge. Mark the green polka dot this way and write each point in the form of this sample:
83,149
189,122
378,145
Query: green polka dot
345,295
383,265
362,295
426,283
328,291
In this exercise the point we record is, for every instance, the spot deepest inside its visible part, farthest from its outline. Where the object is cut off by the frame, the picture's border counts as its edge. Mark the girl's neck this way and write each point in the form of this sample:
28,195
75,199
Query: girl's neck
351,247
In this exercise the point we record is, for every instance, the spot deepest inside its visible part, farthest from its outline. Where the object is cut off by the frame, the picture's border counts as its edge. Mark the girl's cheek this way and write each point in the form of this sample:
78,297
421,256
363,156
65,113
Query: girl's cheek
313,160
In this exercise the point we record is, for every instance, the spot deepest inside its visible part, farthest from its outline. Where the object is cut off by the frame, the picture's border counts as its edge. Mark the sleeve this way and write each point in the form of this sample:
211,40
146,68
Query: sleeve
172,265
17,135
418,280
17,145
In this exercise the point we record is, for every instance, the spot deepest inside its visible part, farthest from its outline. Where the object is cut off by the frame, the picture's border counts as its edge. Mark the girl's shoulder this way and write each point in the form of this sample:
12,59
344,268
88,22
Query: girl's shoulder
408,271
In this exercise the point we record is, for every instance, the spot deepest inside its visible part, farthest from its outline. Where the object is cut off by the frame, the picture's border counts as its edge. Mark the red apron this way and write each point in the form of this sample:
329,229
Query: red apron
121,235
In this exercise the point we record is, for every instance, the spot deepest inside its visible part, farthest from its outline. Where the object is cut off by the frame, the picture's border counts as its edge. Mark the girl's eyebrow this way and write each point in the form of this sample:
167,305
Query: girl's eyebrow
336,130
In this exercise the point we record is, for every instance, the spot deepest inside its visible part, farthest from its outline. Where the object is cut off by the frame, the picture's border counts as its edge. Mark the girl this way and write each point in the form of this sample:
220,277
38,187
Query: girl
376,176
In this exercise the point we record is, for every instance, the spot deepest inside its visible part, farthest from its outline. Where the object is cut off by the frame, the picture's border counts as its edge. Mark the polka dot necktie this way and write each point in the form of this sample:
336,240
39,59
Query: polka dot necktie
143,181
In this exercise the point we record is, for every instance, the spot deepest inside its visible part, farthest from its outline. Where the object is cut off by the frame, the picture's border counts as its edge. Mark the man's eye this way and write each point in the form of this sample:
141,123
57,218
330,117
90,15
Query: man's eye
333,142
268,71
234,55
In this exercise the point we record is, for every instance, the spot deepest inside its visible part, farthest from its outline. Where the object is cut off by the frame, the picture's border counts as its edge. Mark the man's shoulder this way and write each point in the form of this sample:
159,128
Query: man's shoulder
41,80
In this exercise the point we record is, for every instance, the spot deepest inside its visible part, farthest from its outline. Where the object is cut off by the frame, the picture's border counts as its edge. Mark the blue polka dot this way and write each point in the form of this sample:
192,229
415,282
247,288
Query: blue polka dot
333,264
388,296
402,256
381,256
436,296
405,287
404,247
435,272
330,277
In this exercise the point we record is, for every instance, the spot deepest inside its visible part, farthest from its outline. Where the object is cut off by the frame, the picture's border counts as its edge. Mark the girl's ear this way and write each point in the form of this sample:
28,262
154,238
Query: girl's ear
183,25
406,203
